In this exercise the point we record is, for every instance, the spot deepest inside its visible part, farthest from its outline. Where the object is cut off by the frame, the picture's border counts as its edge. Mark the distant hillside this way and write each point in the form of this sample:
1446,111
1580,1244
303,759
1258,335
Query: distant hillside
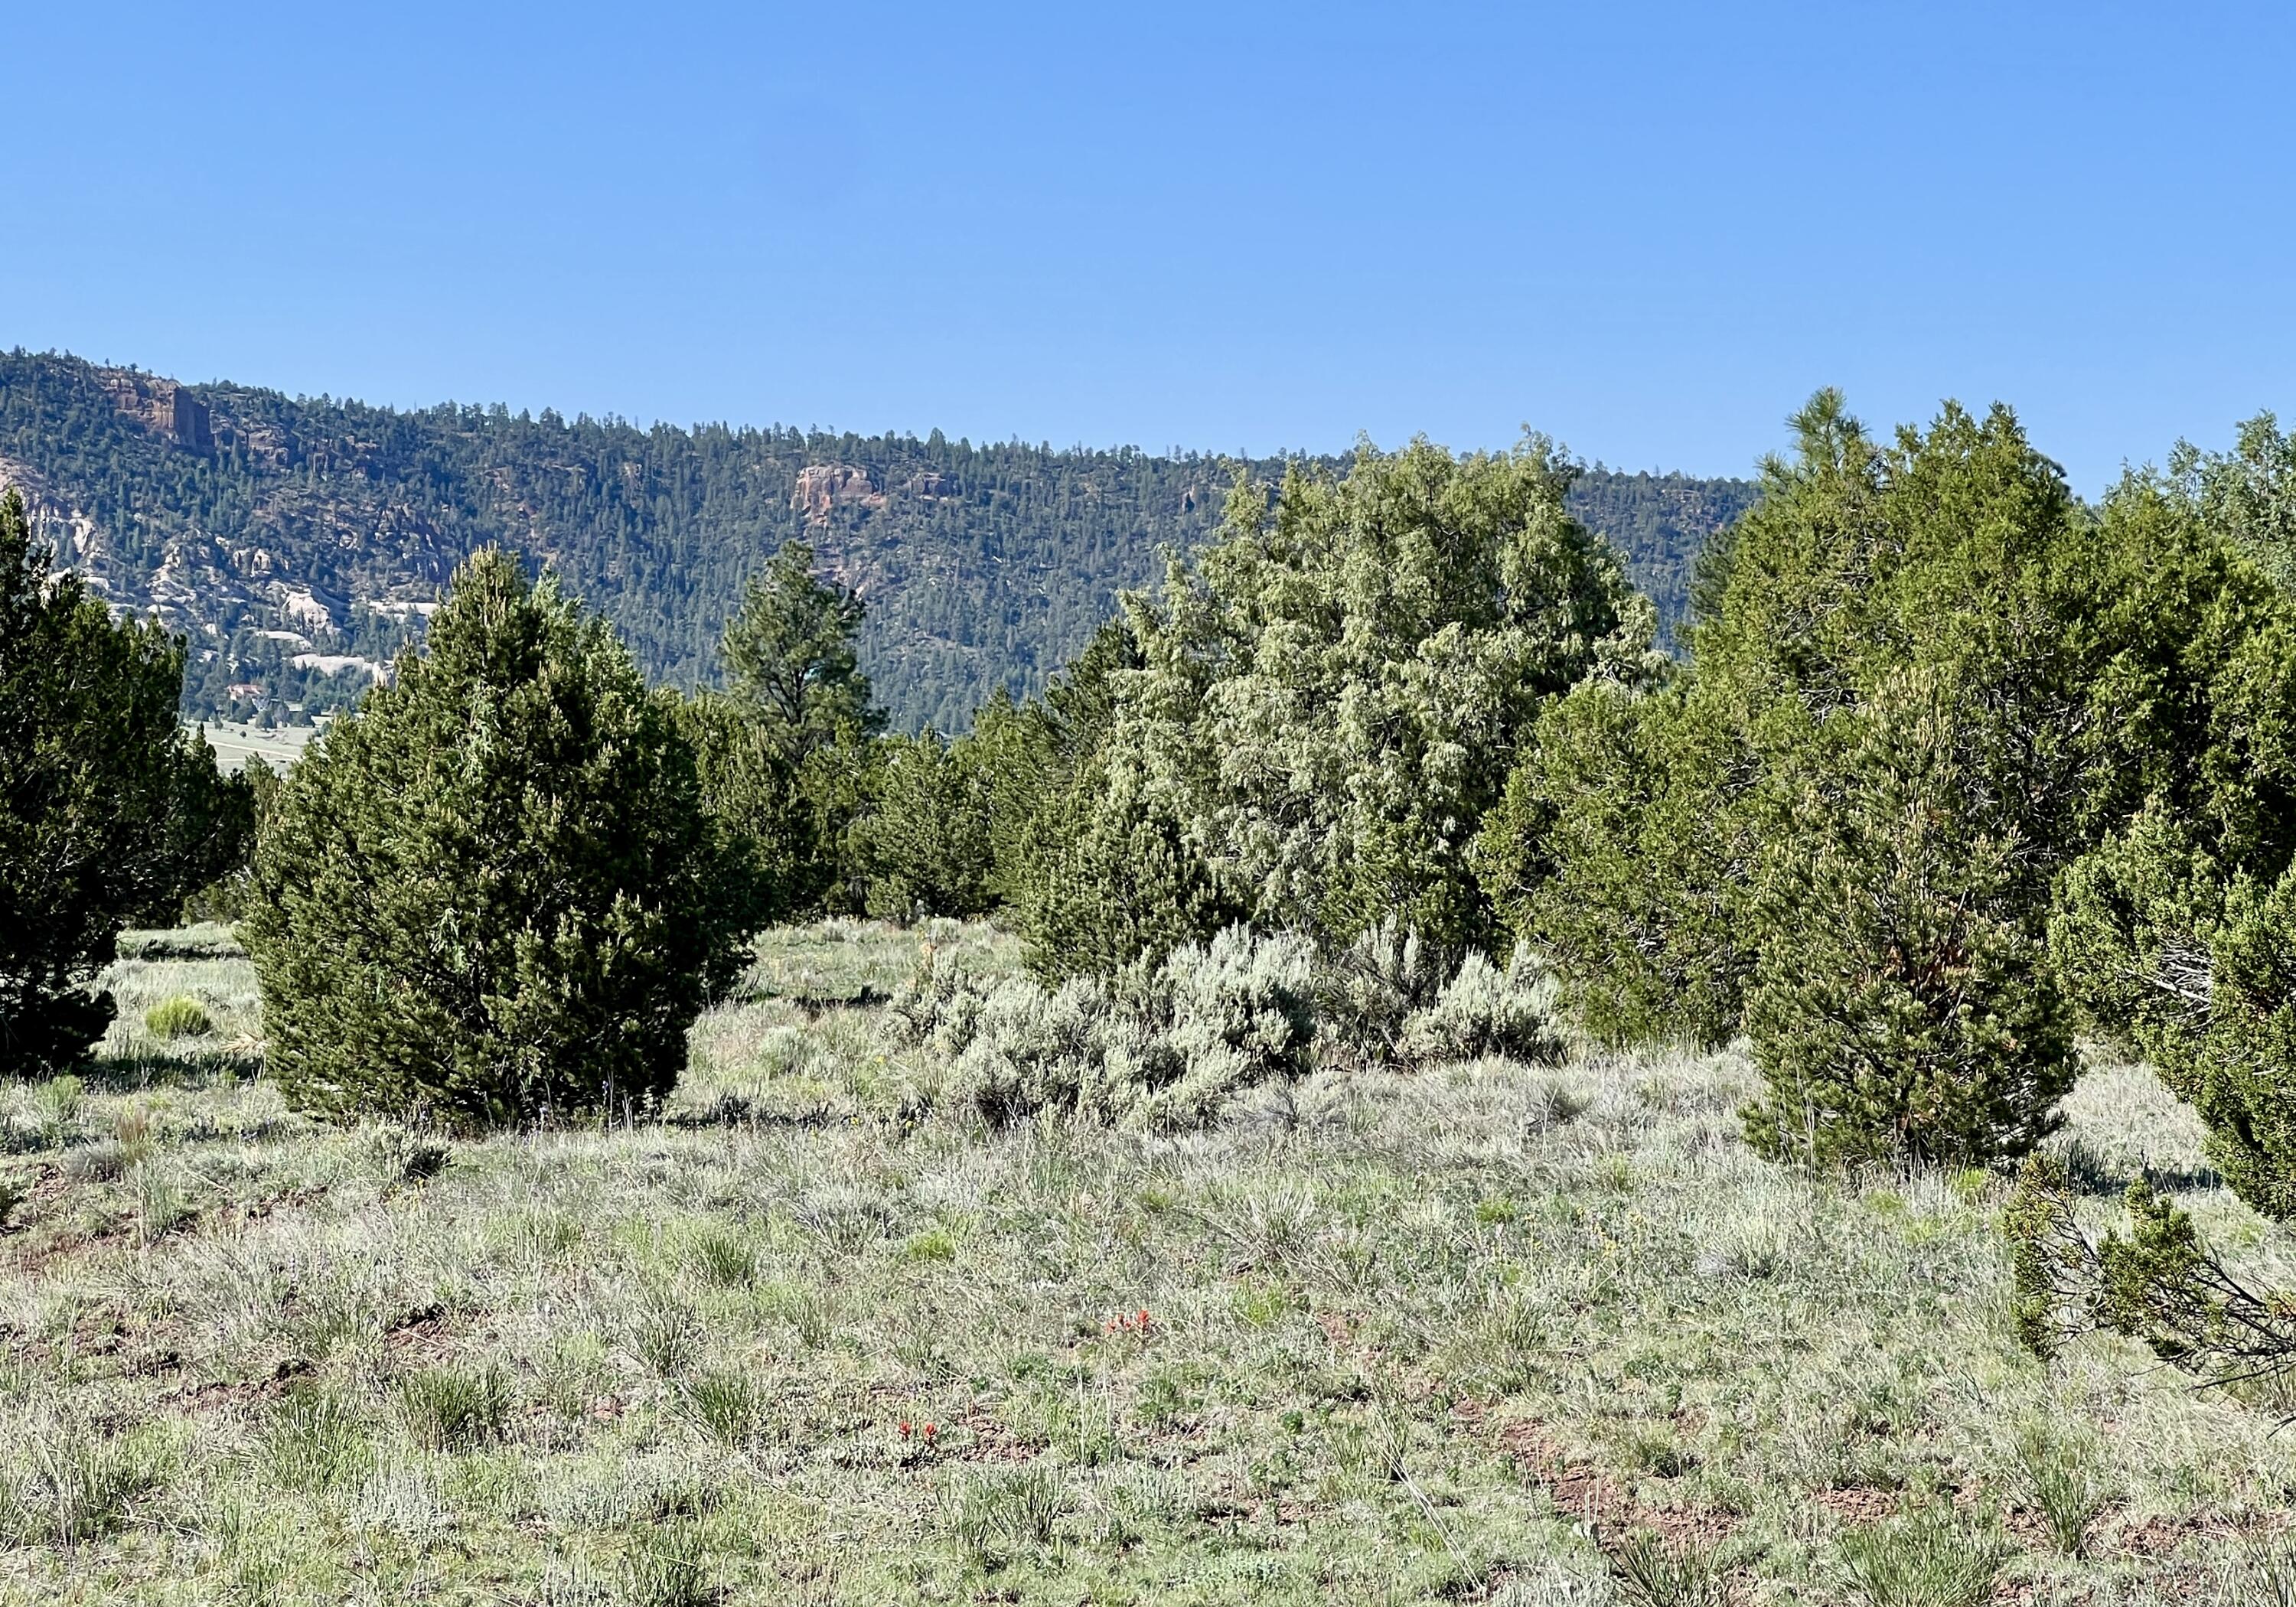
299,543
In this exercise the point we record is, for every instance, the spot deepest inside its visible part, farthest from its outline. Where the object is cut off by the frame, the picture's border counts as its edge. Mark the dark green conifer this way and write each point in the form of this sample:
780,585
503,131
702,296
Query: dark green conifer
106,809
493,896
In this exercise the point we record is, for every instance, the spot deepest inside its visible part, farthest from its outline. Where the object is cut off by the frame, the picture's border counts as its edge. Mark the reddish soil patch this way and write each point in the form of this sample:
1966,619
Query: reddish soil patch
1583,1491
1856,1504
422,1336
980,1437
210,1396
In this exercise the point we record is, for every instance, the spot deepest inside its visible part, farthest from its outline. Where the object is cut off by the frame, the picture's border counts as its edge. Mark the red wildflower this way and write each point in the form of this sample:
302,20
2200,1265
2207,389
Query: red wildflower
931,1430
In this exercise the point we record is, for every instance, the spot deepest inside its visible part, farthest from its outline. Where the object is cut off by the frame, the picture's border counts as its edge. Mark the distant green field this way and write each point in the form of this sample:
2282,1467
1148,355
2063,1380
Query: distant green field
1484,1333
234,744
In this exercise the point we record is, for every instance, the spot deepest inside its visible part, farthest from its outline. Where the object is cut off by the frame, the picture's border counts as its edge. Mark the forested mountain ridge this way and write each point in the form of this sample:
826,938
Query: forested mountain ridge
300,542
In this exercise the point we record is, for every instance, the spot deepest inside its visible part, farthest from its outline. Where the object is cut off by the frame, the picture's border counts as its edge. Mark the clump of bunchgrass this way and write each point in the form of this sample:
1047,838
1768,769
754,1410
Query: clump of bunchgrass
1922,1557
993,1515
663,1332
721,1255
405,1156
162,1200
665,1568
455,1408
181,1016
1653,1571
72,1483
728,1407
57,1104
315,1440
2059,1471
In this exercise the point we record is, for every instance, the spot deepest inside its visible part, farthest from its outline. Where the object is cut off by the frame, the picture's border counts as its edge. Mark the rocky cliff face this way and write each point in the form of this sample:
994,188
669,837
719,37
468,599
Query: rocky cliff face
826,487
162,406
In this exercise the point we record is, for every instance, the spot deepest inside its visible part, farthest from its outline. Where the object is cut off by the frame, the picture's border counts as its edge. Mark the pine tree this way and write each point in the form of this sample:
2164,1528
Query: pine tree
792,766
791,658
493,896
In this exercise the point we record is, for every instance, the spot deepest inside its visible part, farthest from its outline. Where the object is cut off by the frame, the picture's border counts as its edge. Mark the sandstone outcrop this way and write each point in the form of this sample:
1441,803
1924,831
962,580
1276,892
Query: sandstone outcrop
160,405
821,488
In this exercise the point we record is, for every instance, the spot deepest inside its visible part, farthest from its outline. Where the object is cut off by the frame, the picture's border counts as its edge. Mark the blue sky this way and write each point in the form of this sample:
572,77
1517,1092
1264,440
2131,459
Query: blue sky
1647,230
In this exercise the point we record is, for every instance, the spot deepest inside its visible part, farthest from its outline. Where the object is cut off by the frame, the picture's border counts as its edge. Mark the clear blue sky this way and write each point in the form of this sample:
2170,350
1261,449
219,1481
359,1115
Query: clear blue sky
1648,229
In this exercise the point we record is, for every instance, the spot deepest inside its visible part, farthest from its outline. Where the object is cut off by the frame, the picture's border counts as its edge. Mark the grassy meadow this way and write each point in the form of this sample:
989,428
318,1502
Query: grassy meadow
1485,1334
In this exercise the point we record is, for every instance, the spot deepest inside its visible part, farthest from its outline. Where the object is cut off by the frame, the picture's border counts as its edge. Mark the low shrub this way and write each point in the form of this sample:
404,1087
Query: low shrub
1368,990
1159,1046
1393,999
2161,1284
1483,1011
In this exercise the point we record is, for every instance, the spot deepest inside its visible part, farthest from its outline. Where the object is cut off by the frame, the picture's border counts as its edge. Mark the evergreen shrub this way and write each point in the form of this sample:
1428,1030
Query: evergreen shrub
493,895
108,813
926,842
1303,726
1903,1008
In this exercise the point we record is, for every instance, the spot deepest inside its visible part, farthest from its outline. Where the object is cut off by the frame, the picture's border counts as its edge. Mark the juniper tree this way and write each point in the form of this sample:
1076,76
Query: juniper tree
107,810
1624,848
2176,932
1325,702
1902,1007
493,895
926,842
1956,556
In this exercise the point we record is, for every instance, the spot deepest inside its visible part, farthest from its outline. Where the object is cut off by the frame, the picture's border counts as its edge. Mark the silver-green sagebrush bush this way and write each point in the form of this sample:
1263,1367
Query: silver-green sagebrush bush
1485,1010
1168,1043
494,895
1161,1044
1392,997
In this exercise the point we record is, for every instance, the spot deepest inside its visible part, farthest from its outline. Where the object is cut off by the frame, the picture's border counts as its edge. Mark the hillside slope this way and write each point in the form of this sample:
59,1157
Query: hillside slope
300,541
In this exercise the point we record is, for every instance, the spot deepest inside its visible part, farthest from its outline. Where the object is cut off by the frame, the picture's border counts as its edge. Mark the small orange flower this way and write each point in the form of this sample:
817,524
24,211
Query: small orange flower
904,1428
931,1430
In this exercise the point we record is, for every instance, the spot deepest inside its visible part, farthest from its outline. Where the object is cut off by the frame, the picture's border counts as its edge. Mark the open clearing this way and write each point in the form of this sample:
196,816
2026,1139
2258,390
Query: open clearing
235,743
1460,1336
